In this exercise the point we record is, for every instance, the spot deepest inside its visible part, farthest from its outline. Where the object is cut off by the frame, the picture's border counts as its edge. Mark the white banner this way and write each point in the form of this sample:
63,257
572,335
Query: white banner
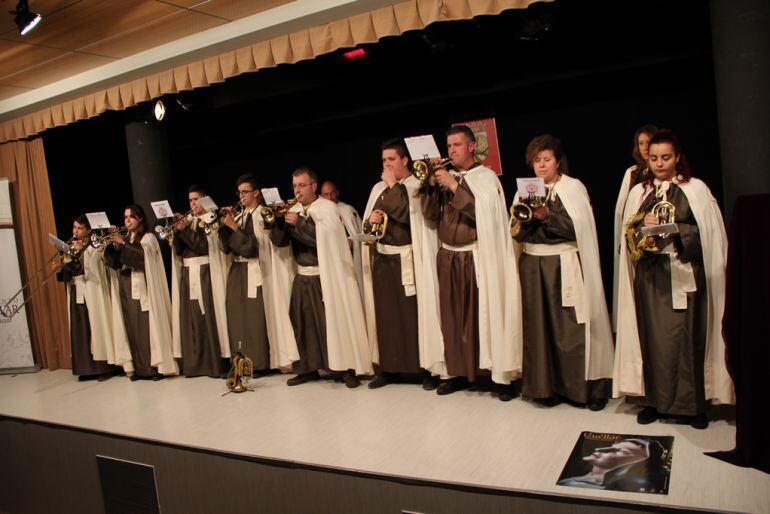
15,347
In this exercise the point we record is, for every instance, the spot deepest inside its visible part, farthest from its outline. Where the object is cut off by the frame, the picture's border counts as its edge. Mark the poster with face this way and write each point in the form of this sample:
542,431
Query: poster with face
620,462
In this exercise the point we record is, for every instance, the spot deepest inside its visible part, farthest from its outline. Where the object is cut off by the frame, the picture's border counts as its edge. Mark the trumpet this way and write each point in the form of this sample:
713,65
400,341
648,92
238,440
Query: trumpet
271,212
377,229
208,226
241,371
71,254
423,169
167,231
665,212
522,211
99,241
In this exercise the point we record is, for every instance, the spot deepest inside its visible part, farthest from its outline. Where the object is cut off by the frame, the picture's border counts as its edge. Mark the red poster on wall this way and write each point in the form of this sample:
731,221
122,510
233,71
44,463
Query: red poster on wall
487,149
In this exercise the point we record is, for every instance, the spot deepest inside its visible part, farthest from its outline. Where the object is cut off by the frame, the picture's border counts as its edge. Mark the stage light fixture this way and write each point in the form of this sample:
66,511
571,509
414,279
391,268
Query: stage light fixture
24,18
159,110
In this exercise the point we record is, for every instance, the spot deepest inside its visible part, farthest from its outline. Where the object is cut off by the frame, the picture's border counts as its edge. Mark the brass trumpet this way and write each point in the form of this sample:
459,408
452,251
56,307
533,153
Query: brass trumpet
167,231
665,212
208,226
99,241
377,229
241,371
521,211
423,169
271,212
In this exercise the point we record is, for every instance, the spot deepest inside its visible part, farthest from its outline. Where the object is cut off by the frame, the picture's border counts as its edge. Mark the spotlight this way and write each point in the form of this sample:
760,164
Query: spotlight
24,18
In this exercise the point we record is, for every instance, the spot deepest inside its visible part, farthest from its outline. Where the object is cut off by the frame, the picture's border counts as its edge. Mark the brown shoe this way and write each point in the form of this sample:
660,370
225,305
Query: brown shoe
304,377
351,380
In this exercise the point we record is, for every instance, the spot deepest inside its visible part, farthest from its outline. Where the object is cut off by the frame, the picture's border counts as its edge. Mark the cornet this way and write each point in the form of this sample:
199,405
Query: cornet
99,241
664,211
423,169
167,231
208,226
376,229
271,212
522,211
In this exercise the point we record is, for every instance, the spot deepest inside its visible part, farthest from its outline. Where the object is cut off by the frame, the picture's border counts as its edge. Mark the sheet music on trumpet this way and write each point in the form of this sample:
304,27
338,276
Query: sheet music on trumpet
528,185
422,147
271,195
98,220
162,209
57,243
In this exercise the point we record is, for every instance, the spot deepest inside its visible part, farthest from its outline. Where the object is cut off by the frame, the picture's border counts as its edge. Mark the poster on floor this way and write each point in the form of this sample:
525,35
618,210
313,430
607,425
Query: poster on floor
620,462
15,348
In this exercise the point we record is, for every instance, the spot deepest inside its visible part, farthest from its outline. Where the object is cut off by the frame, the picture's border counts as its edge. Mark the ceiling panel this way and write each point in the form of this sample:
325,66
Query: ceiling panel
182,23
89,21
58,69
236,9
15,57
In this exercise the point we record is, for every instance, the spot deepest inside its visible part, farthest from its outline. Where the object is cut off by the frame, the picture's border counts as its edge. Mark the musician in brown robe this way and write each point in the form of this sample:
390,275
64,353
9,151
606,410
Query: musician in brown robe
72,273
127,256
451,202
567,337
395,300
307,310
670,349
246,324
198,333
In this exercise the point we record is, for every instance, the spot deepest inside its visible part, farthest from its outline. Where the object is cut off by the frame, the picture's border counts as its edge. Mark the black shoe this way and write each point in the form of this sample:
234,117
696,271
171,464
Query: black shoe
379,381
104,377
134,377
452,385
351,380
158,376
597,404
507,393
550,401
301,379
647,415
429,383
700,422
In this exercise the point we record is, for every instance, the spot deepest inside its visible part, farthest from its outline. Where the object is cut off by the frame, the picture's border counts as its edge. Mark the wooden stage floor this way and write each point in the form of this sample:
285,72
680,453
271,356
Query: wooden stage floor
467,439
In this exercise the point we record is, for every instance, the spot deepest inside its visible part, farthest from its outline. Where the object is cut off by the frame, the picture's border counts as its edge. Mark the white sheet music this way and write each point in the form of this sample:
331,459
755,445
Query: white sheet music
422,147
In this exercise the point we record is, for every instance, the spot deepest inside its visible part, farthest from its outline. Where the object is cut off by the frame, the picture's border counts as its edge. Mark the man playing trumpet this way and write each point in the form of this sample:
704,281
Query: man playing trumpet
400,282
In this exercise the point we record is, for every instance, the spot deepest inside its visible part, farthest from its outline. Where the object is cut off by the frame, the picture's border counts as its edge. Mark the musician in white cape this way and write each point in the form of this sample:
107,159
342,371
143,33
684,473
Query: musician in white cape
479,294
568,347
400,281
633,175
141,301
326,310
198,279
88,303
348,213
258,286
670,355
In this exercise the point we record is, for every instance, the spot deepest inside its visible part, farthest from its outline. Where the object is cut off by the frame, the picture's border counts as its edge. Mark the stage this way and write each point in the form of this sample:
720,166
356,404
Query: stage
321,447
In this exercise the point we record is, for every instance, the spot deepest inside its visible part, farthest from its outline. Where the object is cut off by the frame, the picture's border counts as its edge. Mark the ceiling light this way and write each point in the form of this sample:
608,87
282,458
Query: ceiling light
24,18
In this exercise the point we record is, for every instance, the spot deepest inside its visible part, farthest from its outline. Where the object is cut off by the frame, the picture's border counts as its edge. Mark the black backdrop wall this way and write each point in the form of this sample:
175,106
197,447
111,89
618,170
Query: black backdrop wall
580,70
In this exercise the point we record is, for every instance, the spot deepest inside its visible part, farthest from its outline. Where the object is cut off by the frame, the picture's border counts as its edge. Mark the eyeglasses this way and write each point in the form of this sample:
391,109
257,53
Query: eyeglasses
240,192
302,185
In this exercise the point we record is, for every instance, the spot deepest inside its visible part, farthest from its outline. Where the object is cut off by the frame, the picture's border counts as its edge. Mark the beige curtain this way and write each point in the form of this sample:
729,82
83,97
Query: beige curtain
289,48
23,163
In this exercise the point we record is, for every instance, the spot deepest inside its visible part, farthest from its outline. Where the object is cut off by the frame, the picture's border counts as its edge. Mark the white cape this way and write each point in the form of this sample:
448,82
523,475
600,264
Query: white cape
347,342
628,376
424,250
599,351
219,266
350,218
618,240
500,322
161,351
277,266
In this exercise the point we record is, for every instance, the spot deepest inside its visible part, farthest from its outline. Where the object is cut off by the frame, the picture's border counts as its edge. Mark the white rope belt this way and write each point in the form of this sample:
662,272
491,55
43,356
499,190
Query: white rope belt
470,247
407,265
139,289
682,278
194,275
308,271
253,275
573,292
80,288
